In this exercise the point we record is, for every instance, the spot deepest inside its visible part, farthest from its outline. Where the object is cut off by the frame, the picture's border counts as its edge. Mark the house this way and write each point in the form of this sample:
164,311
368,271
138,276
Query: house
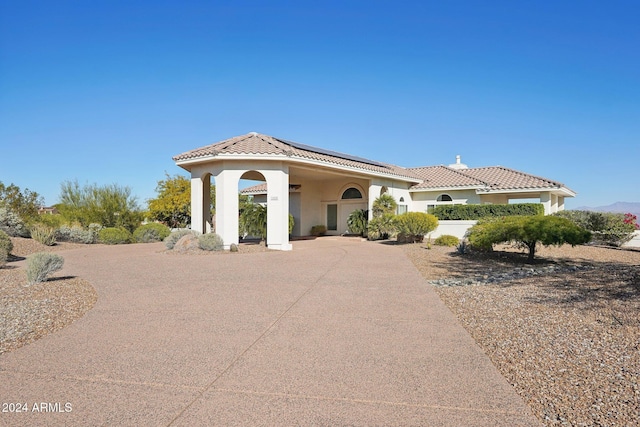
319,186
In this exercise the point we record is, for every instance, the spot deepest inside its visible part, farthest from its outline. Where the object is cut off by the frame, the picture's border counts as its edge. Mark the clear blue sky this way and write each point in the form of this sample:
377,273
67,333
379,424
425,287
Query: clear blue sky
108,91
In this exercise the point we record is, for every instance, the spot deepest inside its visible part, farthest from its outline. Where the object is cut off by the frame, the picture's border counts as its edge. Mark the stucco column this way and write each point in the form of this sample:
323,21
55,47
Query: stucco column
278,208
545,199
374,193
227,207
197,202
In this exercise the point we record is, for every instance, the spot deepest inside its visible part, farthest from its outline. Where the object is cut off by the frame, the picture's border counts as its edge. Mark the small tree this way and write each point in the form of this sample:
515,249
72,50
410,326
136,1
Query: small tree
24,203
527,231
385,204
109,205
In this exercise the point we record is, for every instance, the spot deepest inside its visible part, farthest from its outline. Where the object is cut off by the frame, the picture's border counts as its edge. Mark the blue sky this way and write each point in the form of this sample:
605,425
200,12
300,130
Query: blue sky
108,91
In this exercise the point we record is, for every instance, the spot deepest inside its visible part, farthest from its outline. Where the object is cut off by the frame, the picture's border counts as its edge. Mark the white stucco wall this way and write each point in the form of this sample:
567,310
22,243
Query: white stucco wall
635,242
456,228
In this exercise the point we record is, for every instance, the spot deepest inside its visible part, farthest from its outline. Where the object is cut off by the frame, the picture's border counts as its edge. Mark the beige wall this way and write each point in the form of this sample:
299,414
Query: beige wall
423,199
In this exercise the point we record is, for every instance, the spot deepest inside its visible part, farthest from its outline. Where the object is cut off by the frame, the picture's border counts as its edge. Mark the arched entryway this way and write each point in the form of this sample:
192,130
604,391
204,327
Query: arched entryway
350,198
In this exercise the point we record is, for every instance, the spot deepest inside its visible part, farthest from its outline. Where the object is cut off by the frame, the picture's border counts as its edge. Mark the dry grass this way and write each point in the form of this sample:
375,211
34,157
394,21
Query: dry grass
569,342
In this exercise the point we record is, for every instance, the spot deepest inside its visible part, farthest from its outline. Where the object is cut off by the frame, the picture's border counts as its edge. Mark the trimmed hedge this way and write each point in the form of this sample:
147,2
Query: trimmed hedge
474,212
446,240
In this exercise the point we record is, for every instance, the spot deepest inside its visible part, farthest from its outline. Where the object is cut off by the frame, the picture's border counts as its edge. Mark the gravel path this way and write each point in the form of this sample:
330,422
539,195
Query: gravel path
567,337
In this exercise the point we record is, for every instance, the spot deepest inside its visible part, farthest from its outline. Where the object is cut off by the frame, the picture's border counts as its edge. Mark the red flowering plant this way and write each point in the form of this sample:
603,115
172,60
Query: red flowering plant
631,219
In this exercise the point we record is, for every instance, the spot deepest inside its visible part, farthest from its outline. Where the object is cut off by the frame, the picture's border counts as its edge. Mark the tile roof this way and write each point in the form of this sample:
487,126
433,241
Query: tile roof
443,176
484,179
255,143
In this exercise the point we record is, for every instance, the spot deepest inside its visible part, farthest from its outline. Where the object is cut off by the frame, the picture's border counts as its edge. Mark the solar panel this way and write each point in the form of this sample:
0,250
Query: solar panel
333,153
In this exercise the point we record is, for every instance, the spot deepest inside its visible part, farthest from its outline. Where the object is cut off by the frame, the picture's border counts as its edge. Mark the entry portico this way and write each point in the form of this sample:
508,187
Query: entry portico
322,187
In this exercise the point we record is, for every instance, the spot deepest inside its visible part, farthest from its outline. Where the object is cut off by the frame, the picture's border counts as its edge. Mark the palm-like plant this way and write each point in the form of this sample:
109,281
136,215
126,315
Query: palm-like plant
357,221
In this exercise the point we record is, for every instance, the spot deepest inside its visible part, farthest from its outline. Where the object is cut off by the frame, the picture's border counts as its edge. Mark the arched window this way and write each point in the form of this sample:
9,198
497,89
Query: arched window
444,198
401,199
351,193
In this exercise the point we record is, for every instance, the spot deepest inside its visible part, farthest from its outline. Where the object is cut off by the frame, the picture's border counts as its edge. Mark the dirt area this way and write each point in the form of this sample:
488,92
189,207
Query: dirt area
567,340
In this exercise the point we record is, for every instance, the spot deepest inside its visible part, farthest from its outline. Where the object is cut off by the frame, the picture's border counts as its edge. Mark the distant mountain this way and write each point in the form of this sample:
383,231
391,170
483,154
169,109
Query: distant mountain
621,207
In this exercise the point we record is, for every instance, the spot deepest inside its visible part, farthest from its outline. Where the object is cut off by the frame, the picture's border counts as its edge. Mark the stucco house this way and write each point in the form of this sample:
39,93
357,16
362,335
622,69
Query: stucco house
319,186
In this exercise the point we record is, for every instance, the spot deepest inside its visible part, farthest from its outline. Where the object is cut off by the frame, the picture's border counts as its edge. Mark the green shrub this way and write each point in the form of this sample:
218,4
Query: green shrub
210,242
446,240
292,223
357,221
40,265
114,236
412,226
12,224
152,232
607,228
318,230
43,234
475,212
253,221
171,239
527,231
382,227
5,242
4,256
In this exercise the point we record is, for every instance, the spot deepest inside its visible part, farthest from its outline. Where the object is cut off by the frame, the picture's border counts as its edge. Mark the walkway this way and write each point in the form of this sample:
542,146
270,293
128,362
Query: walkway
335,332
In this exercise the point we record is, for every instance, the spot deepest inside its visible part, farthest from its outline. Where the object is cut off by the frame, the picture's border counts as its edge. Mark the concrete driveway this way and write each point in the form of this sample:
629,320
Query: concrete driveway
336,332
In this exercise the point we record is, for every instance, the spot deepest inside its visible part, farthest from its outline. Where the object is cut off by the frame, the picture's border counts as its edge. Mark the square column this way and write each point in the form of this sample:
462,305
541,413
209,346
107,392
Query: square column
278,208
197,203
227,206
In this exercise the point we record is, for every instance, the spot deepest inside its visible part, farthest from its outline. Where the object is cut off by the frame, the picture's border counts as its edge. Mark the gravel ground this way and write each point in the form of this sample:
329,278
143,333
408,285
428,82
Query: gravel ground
31,312
567,337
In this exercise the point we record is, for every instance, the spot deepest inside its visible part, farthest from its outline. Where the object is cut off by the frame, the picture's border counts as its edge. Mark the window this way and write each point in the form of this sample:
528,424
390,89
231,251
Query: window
351,193
402,209
332,217
444,198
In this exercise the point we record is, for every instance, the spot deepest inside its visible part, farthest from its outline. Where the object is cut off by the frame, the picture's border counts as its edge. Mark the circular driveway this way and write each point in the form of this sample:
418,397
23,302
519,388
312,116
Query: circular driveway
338,331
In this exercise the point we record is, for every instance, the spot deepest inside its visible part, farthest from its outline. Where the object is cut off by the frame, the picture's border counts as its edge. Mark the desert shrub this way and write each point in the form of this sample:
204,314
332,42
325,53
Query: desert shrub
527,231
152,232
172,238
11,223
382,227
41,264
4,256
5,242
607,228
412,226
114,236
357,221
54,221
43,234
318,230
77,234
474,212
210,242
446,240
292,223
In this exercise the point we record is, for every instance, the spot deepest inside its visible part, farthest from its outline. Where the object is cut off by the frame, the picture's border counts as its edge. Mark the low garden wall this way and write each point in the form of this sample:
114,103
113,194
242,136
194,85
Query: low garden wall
452,227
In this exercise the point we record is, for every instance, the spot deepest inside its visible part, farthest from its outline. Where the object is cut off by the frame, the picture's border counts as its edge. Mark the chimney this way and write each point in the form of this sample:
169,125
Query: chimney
458,164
